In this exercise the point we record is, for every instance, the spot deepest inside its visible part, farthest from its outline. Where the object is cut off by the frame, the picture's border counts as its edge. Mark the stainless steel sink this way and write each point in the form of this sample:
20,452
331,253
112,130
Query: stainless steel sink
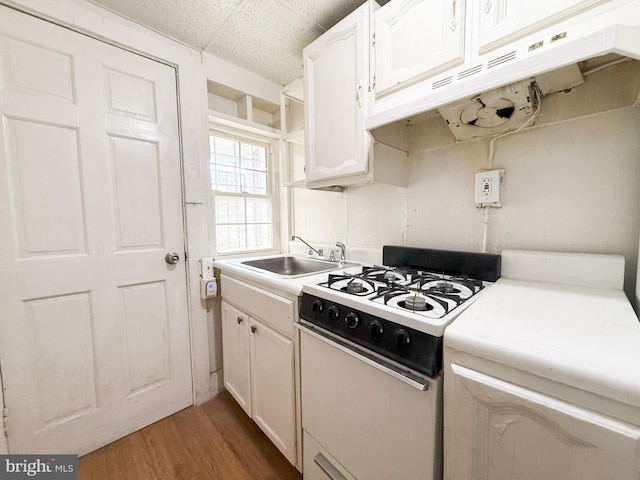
291,266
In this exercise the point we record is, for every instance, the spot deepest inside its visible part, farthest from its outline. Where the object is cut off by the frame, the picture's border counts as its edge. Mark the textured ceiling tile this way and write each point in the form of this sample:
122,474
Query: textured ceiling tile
192,21
266,36
325,13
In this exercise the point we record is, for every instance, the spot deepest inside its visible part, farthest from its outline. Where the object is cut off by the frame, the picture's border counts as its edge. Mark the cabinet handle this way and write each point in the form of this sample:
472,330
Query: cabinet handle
240,320
454,24
359,95
253,329
487,6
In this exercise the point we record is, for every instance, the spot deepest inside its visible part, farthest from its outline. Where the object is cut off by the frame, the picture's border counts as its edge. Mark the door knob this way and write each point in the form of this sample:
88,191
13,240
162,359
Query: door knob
171,258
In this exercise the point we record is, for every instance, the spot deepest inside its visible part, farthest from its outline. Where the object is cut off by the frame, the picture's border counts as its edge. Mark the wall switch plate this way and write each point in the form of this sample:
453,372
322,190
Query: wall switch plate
488,185
206,267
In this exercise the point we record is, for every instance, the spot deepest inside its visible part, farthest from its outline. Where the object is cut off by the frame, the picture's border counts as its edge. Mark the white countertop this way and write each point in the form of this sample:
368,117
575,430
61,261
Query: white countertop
581,336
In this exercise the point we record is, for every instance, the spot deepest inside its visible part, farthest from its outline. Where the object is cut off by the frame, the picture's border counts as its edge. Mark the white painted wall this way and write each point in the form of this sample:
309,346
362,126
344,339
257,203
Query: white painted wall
364,218
572,183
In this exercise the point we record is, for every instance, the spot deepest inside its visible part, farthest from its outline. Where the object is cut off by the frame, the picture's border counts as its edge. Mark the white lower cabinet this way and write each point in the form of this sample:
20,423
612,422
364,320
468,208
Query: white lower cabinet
496,430
259,372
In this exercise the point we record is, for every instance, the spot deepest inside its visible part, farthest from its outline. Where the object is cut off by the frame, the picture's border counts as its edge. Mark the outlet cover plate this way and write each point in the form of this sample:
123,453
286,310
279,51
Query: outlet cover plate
488,184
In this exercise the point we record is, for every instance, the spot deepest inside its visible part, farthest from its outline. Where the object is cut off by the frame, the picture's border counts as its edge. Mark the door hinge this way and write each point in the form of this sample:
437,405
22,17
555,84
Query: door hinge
373,39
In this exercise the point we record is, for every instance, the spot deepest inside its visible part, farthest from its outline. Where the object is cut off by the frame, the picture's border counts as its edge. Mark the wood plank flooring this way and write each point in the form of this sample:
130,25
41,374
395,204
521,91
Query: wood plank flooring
216,440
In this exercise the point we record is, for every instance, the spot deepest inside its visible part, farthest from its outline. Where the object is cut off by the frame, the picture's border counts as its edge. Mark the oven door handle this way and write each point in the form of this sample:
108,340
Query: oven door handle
327,467
410,378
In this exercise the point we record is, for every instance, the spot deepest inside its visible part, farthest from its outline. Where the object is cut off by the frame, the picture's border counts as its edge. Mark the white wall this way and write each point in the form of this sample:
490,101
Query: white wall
364,218
572,183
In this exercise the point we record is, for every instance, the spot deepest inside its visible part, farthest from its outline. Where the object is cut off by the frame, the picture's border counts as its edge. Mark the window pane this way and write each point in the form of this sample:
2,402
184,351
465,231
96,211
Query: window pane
259,236
229,210
258,210
225,179
254,157
254,182
226,146
244,220
230,238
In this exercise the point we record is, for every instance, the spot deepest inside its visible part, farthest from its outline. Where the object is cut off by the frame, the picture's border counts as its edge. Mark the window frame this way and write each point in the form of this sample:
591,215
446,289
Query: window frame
271,145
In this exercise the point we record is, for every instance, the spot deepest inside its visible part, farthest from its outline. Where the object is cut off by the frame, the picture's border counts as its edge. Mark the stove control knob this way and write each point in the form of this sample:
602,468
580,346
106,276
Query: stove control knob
352,320
317,306
402,337
333,312
376,329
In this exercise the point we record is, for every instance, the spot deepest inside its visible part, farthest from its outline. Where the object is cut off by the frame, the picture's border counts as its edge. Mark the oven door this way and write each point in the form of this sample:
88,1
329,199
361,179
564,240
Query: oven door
363,419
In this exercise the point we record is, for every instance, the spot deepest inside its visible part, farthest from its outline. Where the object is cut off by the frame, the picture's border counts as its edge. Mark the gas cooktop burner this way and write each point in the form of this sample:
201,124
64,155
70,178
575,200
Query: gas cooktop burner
445,287
416,302
351,284
355,287
424,293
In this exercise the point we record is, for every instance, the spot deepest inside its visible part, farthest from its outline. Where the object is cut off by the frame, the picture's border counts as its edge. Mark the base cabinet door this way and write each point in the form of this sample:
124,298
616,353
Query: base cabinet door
258,366
495,430
273,387
416,39
235,355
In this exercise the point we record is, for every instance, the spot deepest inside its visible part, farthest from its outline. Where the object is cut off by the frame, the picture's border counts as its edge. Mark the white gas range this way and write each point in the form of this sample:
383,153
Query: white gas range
371,354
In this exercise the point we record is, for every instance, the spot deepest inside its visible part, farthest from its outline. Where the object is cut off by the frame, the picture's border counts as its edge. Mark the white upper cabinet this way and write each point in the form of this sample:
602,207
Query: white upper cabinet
505,21
336,82
416,39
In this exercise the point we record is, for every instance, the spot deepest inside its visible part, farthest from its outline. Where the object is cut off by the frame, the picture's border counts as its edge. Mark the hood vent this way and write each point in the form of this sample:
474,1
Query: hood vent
490,113
500,60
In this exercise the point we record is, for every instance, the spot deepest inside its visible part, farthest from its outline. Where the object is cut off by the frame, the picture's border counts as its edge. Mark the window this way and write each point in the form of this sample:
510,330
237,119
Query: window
242,191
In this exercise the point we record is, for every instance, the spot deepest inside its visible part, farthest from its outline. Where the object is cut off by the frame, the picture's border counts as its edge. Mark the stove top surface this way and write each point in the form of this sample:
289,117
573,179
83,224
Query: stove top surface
423,289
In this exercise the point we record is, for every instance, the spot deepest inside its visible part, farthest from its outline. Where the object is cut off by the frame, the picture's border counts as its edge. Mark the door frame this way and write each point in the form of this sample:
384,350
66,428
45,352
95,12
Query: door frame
96,22
4,445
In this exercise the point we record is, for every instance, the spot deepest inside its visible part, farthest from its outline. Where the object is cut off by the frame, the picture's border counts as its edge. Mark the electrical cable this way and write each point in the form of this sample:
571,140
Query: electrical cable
537,97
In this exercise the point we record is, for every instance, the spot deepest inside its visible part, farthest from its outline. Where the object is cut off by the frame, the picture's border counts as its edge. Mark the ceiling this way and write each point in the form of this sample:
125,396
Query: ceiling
263,36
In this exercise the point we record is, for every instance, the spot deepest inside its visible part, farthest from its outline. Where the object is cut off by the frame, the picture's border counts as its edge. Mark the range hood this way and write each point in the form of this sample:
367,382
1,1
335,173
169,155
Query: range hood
612,34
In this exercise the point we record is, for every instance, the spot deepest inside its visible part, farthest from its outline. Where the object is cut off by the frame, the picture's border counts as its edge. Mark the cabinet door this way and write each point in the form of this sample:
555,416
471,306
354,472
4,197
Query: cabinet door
272,385
495,430
416,39
235,355
504,21
336,74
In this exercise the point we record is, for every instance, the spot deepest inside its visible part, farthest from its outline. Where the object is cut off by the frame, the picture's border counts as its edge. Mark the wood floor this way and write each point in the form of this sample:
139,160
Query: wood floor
216,440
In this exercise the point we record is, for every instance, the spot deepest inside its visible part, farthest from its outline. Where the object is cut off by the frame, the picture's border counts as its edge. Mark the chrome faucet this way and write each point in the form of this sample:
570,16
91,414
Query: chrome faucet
311,249
342,249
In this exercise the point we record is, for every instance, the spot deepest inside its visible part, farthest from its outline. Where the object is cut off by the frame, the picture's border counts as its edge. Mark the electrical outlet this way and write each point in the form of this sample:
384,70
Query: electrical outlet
488,188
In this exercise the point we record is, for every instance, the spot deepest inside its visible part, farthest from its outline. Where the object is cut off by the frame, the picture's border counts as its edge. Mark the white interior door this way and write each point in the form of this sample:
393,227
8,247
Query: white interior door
94,335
